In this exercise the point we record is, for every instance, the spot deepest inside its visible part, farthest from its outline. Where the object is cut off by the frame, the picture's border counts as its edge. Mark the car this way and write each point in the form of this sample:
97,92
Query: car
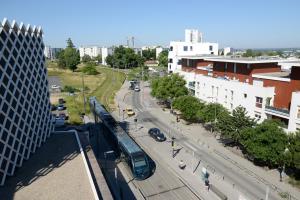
61,101
137,88
130,112
53,107
55,86
60,107
62,116
157,134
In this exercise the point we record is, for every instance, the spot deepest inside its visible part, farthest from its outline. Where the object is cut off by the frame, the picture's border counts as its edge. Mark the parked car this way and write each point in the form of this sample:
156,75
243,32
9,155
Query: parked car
61,101
137,88
53,107
157,134
62,116
130,112
55,86
60,107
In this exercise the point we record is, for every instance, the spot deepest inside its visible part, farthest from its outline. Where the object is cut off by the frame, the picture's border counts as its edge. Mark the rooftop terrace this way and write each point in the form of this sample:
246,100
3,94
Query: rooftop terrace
55,171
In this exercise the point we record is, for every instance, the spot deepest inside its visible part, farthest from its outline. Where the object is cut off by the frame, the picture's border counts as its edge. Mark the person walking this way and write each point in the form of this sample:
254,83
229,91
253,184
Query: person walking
182,165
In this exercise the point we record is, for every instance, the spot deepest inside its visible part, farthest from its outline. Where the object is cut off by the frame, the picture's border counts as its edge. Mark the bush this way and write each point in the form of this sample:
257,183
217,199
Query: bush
70,89
90,69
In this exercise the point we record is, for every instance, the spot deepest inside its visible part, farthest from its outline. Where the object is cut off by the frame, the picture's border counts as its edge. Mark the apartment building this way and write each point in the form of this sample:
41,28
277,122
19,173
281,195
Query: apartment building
92,51
25,116
193,45
259,85
51,53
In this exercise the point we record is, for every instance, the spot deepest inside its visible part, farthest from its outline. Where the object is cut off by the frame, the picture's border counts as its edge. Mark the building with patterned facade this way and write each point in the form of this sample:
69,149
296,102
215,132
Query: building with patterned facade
25,116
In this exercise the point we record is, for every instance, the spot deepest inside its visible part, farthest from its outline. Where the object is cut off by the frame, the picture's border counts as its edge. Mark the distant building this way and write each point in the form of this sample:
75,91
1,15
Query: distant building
51,53
25,116
192,46
158,51
227,50
92,51
105,52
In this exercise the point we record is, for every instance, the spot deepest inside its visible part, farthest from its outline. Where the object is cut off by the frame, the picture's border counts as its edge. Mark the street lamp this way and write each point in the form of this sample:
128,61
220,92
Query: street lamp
212,97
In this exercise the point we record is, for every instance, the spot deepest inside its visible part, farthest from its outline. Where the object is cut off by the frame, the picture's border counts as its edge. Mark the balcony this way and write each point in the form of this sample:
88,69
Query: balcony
278,111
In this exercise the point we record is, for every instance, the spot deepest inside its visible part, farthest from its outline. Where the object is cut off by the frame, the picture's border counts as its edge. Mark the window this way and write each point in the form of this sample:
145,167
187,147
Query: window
257,116
298,114
231,92
185,48
245,95
191,48
171,48
170,60
179,62
259,102
231,106
211,48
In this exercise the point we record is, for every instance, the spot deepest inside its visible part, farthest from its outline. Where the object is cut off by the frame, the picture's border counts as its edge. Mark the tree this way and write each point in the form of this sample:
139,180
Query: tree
61,59
89,69
149,54
124,58
71,56
251,53
86,58
189,106
163,58
236,123
293,153
266,143
212,112
98,59
169,87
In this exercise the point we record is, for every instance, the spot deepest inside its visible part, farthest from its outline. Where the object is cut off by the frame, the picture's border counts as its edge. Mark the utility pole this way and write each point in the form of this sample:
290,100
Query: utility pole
84,103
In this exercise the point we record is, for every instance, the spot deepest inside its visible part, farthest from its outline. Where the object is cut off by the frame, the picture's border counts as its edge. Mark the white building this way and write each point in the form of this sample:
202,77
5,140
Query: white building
158,51
25,116
50,53
192,46
227,50
105,52
260,86
92,51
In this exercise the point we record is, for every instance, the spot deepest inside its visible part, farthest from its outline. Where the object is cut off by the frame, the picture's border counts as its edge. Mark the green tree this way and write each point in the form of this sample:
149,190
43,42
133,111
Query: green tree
124,58
98,59
61,59
240,121
69,57
189,106
266,143
149,54
212,112
89,69
293,153
169,87
86,58
163,58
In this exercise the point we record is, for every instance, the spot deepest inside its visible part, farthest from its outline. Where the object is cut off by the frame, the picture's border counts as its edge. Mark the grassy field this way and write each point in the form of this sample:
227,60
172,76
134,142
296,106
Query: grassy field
103,86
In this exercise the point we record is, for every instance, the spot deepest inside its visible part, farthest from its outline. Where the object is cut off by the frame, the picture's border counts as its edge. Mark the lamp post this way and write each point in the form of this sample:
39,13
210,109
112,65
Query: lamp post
84,103
212,97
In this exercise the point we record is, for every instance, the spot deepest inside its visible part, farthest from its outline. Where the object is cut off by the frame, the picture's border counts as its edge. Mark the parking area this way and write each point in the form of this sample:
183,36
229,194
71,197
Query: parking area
55,84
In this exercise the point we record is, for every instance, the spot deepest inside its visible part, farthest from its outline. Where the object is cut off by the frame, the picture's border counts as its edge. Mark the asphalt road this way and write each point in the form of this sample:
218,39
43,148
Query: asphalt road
247,184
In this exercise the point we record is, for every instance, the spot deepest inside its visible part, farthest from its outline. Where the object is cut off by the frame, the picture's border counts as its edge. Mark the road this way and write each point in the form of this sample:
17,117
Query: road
249,186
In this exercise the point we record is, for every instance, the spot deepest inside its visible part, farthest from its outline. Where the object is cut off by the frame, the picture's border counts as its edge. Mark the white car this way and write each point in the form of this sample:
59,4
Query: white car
55,86
137,88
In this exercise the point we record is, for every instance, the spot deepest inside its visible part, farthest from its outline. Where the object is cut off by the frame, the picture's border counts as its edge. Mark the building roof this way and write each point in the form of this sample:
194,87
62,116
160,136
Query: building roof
55,171
242,60
279,76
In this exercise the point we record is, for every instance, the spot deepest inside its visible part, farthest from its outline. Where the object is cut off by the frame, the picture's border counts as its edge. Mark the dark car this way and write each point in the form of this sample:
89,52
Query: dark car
63,116
61,101
53,107
157,134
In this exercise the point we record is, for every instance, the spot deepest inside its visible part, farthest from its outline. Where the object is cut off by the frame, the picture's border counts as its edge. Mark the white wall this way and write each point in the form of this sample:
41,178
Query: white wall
105,52
93,51
158,51
230,94
294,121
193,49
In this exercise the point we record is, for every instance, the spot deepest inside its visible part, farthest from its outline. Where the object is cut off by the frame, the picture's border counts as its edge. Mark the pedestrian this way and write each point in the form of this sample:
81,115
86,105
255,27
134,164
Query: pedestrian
181,164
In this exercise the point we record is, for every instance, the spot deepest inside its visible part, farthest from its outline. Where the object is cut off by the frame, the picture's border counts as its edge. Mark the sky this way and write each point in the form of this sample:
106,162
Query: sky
233,23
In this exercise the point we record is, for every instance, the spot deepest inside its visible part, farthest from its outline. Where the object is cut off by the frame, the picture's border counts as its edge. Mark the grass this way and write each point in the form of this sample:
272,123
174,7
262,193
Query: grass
103,86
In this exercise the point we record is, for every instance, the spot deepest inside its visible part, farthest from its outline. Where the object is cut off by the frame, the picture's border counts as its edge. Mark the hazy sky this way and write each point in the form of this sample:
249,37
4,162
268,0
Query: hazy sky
235,23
